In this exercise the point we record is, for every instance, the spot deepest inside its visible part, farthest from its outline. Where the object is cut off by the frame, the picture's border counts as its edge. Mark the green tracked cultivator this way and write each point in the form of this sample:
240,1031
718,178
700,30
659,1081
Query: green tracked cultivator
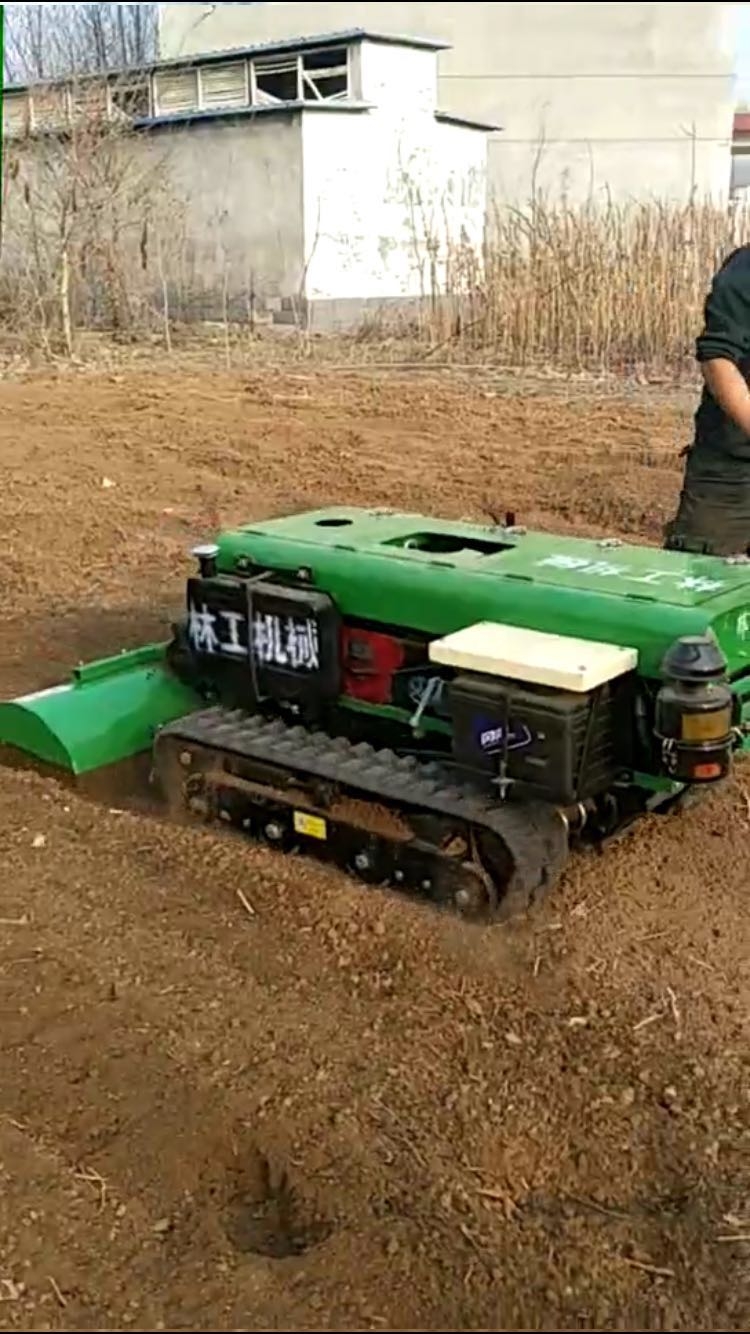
440,707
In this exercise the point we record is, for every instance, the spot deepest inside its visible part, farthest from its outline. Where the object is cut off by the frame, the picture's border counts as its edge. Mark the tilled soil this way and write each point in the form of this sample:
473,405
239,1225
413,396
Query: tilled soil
339,1109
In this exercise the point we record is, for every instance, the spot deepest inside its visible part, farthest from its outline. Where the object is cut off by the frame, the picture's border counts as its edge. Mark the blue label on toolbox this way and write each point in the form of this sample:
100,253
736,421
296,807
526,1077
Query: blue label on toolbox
490,736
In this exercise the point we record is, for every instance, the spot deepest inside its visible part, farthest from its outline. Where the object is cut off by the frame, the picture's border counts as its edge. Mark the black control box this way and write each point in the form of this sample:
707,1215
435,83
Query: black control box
556,745
282,641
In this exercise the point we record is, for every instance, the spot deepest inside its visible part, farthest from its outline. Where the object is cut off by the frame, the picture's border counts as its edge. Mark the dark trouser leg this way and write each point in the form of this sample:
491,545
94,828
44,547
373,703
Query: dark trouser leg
712,519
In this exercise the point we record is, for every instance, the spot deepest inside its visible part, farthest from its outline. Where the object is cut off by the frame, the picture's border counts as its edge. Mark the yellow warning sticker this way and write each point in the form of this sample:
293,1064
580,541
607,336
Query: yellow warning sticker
311,825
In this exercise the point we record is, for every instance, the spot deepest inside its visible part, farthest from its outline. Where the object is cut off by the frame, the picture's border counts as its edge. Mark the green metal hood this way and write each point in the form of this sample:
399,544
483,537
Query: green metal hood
437,576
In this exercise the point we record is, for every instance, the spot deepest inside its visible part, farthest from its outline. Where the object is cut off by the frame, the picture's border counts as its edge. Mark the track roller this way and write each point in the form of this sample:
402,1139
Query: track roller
386,819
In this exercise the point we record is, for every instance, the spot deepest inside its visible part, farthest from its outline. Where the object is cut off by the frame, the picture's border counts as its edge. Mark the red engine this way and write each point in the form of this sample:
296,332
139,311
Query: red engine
370,662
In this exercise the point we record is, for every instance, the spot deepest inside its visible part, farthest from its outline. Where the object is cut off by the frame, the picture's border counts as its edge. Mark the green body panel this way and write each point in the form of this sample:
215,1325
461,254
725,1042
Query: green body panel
108,712
640,597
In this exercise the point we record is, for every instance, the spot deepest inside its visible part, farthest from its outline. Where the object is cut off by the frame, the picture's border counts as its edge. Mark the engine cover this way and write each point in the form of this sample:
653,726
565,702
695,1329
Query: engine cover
553,744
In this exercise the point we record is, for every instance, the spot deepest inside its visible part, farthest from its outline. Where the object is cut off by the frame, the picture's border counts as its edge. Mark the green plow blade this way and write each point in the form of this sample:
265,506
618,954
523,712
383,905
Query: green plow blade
108,712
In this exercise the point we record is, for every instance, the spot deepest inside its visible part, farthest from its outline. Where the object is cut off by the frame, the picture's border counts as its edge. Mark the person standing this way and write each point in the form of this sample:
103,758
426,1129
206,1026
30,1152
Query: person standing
713,513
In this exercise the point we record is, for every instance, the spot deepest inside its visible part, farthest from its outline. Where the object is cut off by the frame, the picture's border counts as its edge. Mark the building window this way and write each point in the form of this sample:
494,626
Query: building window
276,79
312,76
176,91
740,168
130,98
88,101
224,86
325,75
49,109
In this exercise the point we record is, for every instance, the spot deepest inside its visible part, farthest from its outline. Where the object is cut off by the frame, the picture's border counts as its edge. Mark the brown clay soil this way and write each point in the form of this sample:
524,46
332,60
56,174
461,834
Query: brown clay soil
343,1110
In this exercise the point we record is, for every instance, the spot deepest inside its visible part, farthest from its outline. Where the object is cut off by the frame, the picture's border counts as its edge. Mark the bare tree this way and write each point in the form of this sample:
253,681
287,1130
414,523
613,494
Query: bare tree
90,222
47,41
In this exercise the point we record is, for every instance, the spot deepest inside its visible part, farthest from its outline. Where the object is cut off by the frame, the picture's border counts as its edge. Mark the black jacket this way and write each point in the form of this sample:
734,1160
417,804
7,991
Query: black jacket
721,450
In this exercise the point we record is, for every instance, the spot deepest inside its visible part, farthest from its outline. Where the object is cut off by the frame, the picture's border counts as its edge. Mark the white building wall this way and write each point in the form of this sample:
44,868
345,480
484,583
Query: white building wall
398,80
631,100
384,207
389,193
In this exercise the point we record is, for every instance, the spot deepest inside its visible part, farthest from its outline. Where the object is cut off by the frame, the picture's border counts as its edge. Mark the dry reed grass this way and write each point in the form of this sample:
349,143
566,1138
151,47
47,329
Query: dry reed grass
614,290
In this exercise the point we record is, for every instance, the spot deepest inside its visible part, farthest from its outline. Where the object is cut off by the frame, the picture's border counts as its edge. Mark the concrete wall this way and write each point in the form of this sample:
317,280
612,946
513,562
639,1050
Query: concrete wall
241,183
212,211
635,99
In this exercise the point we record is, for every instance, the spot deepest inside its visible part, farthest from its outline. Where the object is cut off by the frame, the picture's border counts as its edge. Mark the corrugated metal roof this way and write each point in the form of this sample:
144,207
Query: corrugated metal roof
303,43
467,122
204,115
201,117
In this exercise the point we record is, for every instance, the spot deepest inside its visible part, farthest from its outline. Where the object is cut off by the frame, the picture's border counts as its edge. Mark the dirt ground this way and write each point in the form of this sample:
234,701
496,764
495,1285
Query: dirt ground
439,1126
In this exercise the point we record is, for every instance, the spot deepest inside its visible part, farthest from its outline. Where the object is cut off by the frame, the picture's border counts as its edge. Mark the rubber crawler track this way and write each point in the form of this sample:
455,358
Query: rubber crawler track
534,834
